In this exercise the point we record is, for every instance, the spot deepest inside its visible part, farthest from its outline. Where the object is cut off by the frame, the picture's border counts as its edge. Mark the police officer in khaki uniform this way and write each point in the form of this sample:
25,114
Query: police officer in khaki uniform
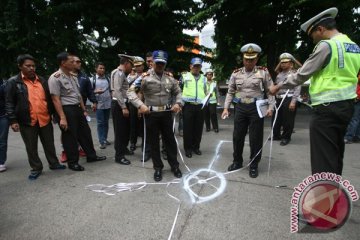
158,88
287,111
134,118
246,85
120,108
65,94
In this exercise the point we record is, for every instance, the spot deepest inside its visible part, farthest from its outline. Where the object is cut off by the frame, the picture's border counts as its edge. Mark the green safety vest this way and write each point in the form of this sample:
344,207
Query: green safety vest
211,86
193,91
338,80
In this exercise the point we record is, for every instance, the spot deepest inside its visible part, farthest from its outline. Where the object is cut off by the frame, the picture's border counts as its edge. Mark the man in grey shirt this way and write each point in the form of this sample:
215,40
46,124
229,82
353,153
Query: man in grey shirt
101,88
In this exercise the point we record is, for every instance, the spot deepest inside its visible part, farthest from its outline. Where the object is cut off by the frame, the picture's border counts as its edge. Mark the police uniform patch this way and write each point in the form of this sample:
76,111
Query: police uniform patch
352,48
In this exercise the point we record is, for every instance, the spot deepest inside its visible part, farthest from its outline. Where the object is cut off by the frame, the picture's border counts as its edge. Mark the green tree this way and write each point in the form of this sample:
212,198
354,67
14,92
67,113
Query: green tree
274,25
44,28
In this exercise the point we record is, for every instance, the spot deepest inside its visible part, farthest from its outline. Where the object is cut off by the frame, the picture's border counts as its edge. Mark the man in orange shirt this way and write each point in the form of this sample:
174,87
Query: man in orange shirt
29,109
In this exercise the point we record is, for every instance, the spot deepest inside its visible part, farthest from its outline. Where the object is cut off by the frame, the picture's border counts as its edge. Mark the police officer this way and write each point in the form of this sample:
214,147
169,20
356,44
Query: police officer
194,92
120,108
210,110
134,119
247,85
287,111
158,88
68,103
333,68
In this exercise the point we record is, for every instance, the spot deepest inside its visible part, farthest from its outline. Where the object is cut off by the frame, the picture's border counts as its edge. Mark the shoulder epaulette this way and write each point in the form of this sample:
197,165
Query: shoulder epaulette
57,74
236,70
145,74
169,74
262,68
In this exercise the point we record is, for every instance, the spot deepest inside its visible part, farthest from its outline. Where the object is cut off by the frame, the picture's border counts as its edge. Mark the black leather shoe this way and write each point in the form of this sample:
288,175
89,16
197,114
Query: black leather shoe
253,173
284,142
177,172
132,147
197,152
123,161
107,142
129,152
57,167
234,166
96,159
216,130
76,167
188,154
157,175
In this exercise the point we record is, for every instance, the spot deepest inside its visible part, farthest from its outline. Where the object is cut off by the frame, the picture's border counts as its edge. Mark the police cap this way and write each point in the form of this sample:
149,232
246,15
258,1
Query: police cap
250,50
310,24
160,56
196,61
286,57
138,61
128,57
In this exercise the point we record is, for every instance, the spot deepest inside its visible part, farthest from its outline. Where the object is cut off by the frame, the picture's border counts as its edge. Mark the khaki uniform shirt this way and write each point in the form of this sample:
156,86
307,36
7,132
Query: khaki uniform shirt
249,85
66,87
157,91
295,91
119,86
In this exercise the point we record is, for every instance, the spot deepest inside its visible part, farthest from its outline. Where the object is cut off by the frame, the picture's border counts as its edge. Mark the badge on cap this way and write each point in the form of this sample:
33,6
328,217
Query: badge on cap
250,50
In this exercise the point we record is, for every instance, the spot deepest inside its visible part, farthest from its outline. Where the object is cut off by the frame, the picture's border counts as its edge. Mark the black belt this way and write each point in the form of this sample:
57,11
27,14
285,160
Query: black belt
72,105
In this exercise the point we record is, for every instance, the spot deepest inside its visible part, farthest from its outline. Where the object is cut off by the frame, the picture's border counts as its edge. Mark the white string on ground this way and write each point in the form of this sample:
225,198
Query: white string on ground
144,143
267,139
177,211
272,129
177,145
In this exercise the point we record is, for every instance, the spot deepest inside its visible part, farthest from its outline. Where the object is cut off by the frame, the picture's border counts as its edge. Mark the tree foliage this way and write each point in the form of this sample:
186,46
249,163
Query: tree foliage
44,28
274,25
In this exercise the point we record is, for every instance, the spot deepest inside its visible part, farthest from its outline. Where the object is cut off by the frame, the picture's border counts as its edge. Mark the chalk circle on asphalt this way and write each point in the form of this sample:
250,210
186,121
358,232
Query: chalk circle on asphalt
196,179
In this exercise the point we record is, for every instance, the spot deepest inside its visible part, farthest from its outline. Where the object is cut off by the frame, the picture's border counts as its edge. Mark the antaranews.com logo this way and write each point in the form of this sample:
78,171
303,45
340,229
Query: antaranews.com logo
322,202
